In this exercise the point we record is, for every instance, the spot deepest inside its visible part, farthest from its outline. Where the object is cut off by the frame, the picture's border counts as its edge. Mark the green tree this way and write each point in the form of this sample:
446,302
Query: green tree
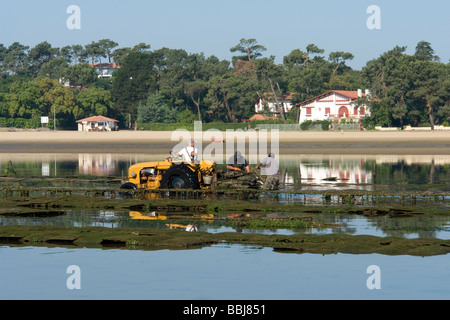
133,83
186,116
412,89
172,75
196,90
431,88
15,58
338,59
55,69
107,45
24,100
3,50
155,110
120,54
59,99
41,54
73,53
249,48
425,52
94,52
42,97
81,74
349,80
94,101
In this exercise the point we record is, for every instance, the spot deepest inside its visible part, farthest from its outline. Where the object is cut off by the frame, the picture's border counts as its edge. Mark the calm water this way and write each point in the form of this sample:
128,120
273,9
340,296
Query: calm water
235,272
217,272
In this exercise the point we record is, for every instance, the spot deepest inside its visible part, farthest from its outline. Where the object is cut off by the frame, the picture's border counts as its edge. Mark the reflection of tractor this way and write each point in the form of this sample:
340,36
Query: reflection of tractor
177,174
172,174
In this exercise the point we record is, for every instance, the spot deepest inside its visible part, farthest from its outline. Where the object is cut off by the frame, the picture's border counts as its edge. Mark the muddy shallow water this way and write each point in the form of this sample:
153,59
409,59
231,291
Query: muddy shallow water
402,197
305,180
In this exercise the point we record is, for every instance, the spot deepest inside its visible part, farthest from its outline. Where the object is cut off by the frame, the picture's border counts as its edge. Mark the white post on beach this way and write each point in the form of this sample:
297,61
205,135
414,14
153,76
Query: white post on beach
54,118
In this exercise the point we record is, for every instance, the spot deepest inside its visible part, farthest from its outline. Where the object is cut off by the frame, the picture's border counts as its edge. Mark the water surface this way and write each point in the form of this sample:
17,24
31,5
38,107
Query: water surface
218,272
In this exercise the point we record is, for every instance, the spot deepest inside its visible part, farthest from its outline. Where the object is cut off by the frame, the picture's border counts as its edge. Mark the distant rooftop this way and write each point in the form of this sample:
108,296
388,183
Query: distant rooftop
97,119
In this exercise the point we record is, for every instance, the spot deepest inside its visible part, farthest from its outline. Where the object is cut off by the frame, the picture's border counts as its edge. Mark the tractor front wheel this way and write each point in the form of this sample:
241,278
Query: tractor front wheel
127,186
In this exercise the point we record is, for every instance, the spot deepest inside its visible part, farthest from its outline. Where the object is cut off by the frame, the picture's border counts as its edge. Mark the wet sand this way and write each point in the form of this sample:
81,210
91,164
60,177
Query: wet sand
290,142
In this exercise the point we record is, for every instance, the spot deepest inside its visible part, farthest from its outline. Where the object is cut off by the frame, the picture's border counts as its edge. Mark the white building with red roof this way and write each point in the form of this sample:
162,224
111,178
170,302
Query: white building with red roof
97,123
105,70
269,103
334,105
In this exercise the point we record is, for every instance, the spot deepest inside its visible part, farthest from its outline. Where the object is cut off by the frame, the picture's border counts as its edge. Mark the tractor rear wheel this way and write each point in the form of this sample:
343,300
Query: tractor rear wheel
179,177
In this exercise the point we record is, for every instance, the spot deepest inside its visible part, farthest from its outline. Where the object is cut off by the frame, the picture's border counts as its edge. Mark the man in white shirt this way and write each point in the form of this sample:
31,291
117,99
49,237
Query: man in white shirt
270,169
189,153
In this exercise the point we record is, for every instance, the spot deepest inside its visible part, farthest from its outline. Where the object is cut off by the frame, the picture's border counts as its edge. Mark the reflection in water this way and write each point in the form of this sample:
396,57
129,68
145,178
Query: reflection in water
426,226
336,170
322,172
97,164
59,165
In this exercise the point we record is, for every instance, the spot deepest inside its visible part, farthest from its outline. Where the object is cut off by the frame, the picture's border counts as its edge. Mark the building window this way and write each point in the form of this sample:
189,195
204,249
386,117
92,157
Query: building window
308,112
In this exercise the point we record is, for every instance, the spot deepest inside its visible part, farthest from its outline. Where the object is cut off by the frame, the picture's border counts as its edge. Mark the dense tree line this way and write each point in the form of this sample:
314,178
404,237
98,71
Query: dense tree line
172,85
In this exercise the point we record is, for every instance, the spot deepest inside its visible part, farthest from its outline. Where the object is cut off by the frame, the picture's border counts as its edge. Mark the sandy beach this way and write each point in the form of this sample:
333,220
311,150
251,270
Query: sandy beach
290,142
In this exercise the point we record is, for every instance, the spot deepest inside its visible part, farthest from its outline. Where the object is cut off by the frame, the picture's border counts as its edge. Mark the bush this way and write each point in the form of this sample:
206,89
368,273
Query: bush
190,126
306,125
325,124
369,123
186,116
20,123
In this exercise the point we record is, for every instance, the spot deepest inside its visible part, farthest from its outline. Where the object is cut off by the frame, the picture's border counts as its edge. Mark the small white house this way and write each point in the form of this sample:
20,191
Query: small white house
97,123
334,105
270,103
105,70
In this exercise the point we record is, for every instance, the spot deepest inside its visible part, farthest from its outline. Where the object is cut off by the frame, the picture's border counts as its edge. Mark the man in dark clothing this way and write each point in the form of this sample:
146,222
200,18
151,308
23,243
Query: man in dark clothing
238,163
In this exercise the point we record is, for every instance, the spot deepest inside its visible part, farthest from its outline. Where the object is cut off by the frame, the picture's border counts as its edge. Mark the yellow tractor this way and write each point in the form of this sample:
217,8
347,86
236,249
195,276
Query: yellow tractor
172,174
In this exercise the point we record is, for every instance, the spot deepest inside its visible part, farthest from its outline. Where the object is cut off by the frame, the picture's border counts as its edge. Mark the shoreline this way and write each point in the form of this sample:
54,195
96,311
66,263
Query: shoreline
290,142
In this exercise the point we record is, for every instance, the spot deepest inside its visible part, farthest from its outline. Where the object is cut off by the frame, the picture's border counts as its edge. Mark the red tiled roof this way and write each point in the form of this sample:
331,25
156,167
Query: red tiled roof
353,95
348,94
105,65
259,117
97,119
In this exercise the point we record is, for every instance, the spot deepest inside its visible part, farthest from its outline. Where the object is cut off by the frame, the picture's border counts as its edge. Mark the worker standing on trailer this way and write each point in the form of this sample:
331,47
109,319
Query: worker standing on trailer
271,169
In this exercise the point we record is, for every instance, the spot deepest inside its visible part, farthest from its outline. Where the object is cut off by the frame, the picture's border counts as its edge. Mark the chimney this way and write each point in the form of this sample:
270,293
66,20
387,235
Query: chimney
359,93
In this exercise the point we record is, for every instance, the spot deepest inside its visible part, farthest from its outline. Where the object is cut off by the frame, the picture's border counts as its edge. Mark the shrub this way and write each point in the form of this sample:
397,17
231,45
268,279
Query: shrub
306,124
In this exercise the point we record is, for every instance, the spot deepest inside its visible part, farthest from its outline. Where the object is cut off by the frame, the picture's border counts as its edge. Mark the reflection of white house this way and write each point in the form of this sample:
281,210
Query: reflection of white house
97,164
97,123
334,105
270,104
105,70
335,173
